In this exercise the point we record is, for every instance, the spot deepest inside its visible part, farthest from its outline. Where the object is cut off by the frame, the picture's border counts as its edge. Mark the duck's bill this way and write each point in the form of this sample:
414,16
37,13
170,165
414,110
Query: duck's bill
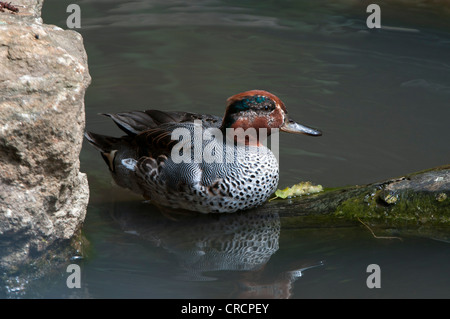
293,127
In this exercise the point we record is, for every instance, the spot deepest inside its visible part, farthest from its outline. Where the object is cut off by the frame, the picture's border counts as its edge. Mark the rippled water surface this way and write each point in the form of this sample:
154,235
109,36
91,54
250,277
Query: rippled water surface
381,98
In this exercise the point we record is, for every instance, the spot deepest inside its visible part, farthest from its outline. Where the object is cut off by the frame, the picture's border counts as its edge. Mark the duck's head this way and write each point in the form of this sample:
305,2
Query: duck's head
261,109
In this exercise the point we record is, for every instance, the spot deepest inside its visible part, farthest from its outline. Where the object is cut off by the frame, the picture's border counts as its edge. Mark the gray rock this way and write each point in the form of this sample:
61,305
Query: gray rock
43,78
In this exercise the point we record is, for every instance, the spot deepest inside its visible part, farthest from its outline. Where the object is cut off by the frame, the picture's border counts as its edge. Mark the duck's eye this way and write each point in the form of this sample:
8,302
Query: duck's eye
266,107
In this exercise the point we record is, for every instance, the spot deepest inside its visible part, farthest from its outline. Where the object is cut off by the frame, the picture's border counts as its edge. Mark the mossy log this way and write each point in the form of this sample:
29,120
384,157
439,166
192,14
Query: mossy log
418,199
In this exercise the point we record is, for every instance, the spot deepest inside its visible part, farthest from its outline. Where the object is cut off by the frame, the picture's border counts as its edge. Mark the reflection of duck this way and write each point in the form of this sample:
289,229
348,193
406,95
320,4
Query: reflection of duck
210,179
204,243
205,247
279,286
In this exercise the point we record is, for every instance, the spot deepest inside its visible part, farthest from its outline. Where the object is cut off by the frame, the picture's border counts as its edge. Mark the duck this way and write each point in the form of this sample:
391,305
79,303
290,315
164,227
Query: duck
200,162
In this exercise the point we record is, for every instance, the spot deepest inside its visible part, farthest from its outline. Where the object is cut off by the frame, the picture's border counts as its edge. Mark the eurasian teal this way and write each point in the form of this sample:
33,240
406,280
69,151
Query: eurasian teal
147,159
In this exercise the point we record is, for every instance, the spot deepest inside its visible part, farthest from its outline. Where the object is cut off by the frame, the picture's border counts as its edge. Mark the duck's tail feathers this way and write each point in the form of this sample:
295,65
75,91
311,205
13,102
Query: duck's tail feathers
103,143
107,146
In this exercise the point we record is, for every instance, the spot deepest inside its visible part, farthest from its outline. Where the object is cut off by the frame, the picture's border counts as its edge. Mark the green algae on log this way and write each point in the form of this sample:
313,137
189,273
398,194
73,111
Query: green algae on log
417,198
300,189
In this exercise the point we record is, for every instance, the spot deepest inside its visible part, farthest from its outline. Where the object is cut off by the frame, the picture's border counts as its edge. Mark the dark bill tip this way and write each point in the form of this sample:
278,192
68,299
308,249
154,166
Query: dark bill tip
294,127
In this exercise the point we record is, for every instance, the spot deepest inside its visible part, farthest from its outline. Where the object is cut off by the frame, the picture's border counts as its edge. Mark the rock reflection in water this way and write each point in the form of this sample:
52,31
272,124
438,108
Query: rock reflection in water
242,242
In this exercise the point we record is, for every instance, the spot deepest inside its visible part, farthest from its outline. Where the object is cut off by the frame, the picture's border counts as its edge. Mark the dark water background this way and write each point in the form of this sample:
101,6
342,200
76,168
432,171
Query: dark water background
381,98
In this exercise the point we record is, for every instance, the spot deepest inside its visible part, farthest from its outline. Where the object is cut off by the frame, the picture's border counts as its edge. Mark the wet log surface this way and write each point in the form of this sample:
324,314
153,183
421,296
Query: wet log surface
417,203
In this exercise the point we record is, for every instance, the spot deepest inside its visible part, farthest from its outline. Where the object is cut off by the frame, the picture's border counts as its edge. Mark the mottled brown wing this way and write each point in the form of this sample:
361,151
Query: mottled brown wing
155,142
136,122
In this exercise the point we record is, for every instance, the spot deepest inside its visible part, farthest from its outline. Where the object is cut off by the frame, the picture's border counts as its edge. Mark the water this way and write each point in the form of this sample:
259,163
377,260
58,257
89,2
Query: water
381,97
